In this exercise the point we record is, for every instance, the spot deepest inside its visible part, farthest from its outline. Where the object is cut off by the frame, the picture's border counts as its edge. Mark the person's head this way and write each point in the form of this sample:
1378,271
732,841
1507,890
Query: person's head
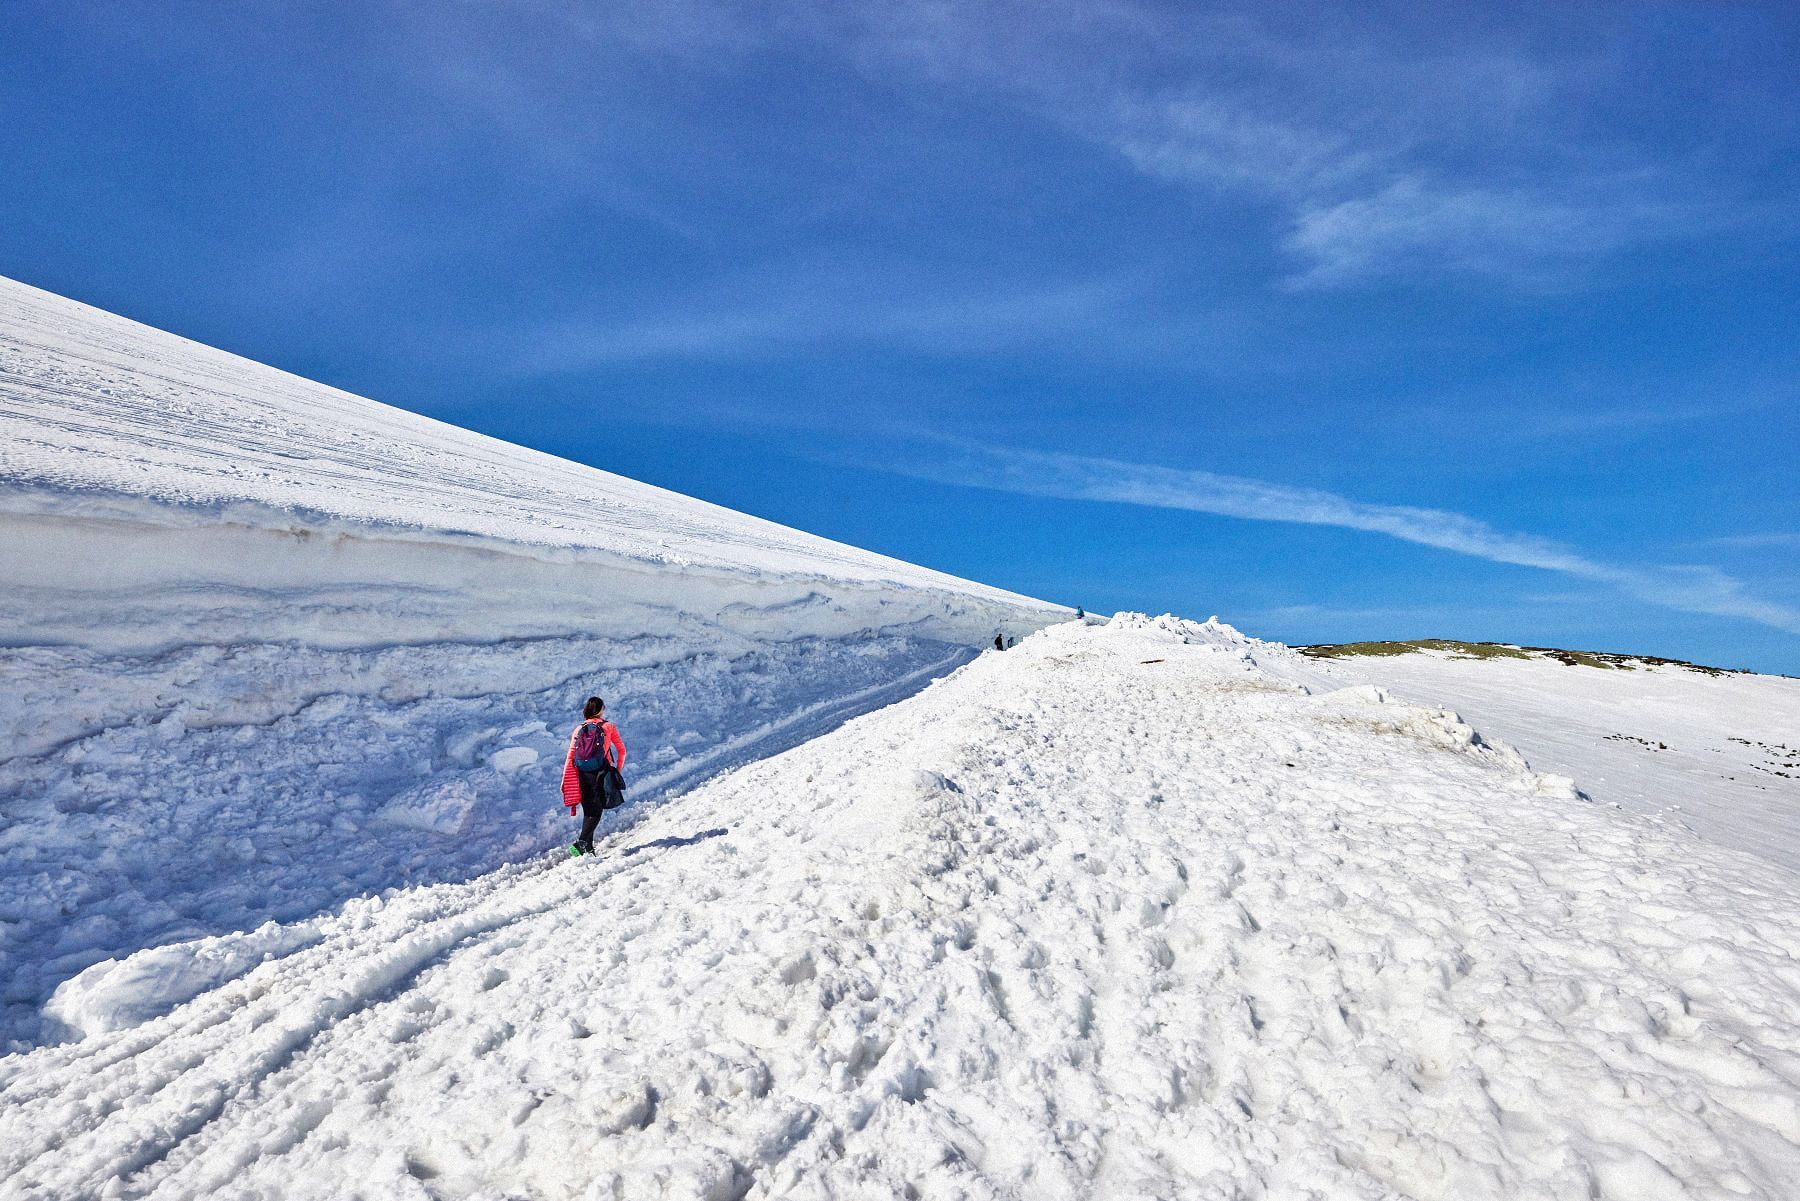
594,708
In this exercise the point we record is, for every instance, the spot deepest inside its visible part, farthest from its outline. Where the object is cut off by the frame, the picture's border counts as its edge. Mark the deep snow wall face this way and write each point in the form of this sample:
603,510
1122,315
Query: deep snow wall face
261,782
128,575
265,645
155,492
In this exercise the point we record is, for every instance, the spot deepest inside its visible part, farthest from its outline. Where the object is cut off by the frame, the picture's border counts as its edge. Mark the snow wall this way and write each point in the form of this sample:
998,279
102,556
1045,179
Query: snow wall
265,645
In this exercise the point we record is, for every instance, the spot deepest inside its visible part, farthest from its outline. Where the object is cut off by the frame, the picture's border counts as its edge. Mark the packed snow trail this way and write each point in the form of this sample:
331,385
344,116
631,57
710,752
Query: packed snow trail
1120,913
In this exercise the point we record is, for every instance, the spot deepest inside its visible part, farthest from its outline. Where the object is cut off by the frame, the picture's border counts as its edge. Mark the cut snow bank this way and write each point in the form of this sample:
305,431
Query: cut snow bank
265,645
160,492
1121,913
105,408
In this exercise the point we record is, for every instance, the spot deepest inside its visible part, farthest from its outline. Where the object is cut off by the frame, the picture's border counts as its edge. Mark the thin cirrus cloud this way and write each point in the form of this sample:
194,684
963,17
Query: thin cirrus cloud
1357,207
1524,235
1370,161
1692,589
798,309
1375,162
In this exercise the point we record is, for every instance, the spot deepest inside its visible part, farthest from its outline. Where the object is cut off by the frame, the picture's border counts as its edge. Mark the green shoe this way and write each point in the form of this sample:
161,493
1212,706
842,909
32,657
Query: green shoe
575,851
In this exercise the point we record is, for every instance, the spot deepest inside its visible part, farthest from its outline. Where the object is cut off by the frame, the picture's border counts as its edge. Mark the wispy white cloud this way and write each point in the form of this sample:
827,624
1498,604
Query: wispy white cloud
784,311
1379,151
1378,160
1229,143
1308,620
1528,234
1692,589
1375,151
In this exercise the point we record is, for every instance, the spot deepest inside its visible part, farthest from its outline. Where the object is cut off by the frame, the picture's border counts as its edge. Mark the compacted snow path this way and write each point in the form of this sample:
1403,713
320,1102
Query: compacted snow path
1122,913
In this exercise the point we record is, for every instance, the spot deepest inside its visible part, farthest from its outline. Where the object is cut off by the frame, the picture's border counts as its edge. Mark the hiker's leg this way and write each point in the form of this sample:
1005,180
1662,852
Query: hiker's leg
590,821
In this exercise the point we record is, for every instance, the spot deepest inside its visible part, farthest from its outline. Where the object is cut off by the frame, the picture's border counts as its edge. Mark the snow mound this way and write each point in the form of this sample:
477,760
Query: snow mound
117,995
1440,727
440,806
1115,914
513,758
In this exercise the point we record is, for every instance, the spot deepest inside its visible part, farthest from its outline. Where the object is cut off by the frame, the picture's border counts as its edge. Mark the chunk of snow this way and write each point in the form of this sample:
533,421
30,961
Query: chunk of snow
439,806
512,758
116,995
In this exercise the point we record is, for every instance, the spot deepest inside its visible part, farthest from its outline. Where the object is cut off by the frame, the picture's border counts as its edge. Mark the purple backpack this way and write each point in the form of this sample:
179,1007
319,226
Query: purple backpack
590,746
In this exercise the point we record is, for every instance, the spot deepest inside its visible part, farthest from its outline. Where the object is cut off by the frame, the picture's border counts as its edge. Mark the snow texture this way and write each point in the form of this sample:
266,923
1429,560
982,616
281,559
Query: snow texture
266,646
106,408
1124,912
1716,753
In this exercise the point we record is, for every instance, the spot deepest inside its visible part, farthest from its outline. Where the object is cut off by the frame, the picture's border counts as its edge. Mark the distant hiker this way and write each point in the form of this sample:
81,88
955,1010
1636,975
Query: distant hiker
1080,613
591,774
999,642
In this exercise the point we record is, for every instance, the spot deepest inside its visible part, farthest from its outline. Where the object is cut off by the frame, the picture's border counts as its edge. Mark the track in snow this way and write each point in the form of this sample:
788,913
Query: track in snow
1066,924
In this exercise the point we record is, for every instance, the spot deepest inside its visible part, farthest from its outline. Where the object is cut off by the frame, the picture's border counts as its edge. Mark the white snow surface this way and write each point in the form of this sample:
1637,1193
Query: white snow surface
1125,912
103,406
266,646
1716,753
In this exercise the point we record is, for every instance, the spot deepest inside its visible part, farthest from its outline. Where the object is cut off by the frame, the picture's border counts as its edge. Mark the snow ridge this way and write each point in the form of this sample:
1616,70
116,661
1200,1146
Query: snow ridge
96,410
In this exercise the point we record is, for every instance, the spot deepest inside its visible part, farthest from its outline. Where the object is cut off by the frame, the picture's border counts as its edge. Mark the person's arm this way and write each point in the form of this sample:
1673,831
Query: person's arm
613,740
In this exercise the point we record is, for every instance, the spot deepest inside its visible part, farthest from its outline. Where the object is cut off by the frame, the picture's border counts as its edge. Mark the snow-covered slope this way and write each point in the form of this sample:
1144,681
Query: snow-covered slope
1122,913
265,646
134,460
1716,752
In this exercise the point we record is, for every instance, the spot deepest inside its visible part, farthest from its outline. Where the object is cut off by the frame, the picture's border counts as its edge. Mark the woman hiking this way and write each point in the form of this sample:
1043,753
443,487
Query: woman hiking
591,779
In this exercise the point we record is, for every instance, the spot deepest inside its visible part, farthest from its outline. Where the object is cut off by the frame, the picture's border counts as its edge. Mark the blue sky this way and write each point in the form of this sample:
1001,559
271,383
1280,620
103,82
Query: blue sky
1456,321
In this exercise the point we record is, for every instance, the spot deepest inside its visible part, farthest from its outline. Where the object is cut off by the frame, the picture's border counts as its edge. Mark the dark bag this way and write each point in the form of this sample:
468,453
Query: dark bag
612,787
605,788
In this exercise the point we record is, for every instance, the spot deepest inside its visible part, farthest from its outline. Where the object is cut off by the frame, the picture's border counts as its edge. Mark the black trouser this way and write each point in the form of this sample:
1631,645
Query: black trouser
592,798
590,821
